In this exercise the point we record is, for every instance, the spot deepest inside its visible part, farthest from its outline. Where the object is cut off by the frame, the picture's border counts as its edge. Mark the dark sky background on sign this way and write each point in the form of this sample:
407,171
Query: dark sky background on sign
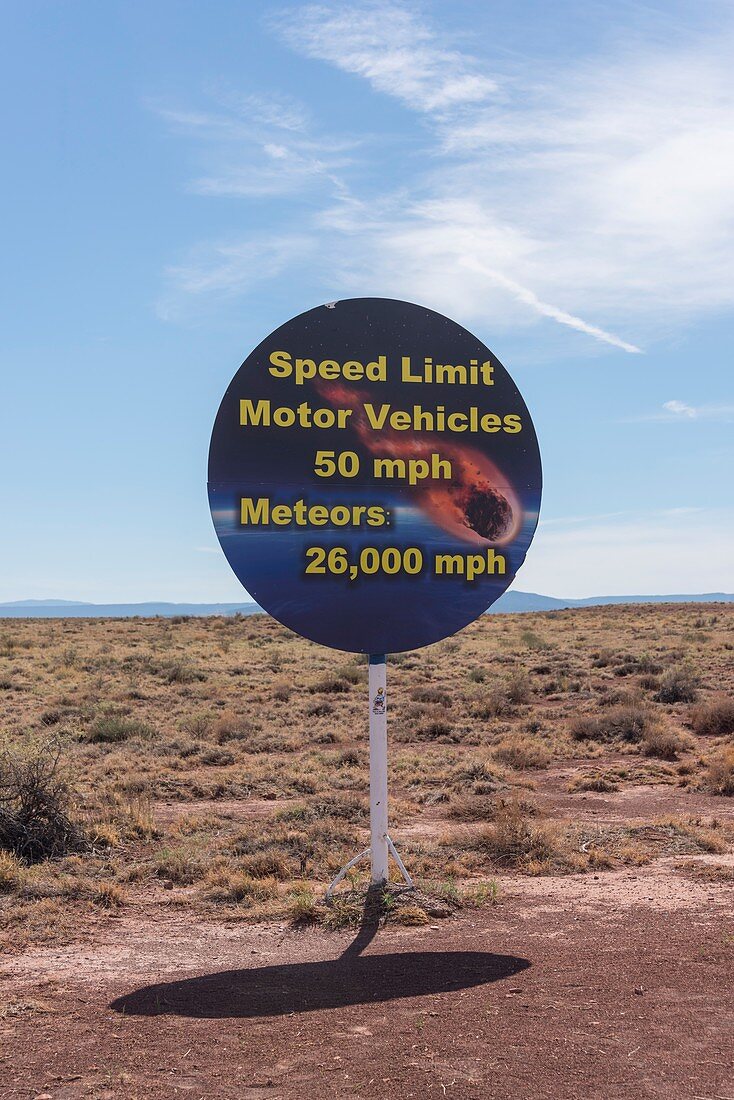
371,613
362,329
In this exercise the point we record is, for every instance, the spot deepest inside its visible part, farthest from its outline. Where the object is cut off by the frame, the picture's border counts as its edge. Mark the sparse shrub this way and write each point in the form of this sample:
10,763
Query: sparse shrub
330,685
304,907
103,834
51,717
619,698
629,665
303,784
320,710
274,741
513,840
599,783
646,663
217,757
489,704
35,805
622,723
180,672
197,725
522,752
282,691
350,807
662,741
477,675
109,895
232,727
113,728
483,777
180,865
349,757
517,688
435,729
228,885
325,737
678,685
626,667
69,657
12,873
715,718
266,864
471,808
720,773
182,749
649,682
602,659
430,695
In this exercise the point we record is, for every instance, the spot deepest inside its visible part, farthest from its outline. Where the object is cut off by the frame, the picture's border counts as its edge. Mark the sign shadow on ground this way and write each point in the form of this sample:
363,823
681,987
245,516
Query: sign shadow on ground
351,979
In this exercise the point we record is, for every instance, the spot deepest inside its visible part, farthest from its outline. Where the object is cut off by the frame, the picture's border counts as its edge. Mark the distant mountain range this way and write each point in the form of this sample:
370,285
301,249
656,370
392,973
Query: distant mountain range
509,602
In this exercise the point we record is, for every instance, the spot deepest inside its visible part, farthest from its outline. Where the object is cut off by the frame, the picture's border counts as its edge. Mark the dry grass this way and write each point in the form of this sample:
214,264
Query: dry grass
221,764
626,723
678,685
719,777
660,740
523,752
516,840
602,784
707,872
715,718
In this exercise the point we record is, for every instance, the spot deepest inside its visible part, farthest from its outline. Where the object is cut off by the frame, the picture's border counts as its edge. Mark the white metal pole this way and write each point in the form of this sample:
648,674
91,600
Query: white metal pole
378,768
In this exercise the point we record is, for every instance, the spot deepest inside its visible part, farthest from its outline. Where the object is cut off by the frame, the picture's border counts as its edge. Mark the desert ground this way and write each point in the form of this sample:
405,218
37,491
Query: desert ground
175,796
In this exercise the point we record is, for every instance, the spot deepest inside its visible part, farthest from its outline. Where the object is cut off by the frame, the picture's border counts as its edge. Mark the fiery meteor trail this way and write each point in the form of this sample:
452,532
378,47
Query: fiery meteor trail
477,504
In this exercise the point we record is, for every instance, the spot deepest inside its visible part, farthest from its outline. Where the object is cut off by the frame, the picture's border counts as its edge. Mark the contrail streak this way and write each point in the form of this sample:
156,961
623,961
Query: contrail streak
544,308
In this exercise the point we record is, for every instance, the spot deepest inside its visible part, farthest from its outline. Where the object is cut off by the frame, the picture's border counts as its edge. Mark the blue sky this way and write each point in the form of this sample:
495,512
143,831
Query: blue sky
180,178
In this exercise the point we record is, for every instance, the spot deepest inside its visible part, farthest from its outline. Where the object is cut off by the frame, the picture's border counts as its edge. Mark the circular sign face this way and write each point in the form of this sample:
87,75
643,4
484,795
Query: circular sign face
374,476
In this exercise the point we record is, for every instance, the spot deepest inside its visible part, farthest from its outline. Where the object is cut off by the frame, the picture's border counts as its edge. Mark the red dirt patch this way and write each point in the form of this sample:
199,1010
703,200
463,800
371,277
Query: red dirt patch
581,987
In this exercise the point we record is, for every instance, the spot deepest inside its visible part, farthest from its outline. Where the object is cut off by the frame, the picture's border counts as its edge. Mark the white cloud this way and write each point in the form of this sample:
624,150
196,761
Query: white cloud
679,408
678,411
389,45
229,269
433,252
676,551
598,195
611,184
260,147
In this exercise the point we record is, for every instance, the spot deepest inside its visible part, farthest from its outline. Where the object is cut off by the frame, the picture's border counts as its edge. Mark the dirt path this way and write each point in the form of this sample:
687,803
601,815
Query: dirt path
596,988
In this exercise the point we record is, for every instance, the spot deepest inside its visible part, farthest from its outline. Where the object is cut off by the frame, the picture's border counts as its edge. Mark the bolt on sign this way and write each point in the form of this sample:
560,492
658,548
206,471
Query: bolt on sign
374,476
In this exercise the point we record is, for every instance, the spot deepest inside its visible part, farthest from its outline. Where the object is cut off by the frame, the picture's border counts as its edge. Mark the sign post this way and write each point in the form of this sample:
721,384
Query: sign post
374,482
378,768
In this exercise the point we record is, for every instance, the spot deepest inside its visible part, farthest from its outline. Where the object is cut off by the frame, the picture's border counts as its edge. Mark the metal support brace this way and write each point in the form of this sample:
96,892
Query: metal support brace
368,851
380,843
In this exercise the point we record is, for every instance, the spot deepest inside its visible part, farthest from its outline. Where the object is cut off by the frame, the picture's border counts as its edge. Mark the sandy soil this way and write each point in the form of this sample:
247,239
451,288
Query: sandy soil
617,985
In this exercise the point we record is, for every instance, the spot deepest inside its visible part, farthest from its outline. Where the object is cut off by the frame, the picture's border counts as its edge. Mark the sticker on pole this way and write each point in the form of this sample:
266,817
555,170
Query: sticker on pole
374,476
